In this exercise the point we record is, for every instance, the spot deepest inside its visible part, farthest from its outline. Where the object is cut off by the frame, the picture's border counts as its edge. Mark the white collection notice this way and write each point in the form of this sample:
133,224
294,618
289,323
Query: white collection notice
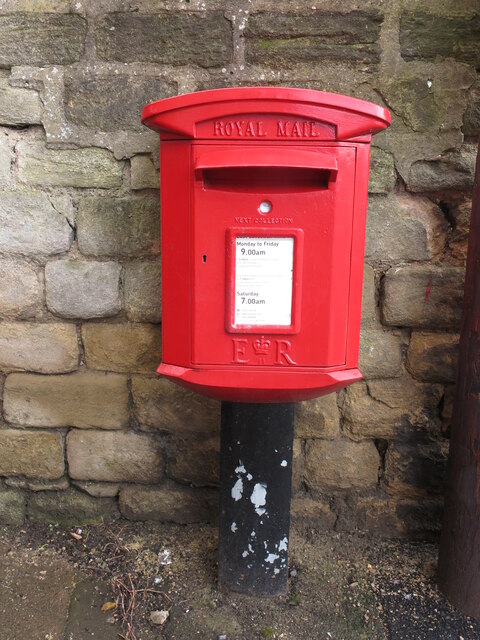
263,281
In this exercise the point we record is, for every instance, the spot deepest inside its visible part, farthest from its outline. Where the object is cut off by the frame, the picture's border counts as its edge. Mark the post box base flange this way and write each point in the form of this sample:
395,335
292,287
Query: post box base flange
252,384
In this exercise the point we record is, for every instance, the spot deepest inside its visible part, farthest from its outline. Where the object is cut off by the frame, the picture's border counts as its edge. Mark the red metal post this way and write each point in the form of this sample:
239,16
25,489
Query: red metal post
459,560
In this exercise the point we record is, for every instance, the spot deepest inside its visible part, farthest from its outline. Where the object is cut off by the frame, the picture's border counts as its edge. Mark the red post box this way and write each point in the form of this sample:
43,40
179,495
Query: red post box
263,200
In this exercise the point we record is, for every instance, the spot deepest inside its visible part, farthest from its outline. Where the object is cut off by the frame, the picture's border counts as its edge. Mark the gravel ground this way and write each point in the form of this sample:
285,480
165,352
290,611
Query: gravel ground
341,587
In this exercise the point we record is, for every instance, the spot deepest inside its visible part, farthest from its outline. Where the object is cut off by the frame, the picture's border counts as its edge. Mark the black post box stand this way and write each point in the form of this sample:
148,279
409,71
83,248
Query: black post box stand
255,491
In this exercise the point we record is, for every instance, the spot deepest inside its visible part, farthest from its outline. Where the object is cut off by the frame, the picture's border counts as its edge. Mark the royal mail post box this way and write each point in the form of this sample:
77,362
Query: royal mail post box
263,208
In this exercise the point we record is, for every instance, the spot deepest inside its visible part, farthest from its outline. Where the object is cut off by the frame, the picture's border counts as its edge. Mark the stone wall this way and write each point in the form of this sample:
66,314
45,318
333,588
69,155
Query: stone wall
86,427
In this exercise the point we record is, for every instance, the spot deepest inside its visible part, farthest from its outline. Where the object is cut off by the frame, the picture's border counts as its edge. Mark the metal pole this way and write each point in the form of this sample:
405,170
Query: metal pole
459,559
255,491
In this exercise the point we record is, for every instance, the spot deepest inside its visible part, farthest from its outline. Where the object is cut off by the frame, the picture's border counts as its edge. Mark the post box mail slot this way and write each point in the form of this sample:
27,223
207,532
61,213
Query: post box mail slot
263,200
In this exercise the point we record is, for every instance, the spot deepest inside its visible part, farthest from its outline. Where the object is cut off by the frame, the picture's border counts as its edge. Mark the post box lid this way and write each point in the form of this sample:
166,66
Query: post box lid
265,113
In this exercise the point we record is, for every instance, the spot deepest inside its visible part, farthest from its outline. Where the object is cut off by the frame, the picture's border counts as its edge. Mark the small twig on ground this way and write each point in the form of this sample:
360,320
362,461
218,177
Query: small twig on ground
145,590
119,547
112,558
160,593
127,598
131,606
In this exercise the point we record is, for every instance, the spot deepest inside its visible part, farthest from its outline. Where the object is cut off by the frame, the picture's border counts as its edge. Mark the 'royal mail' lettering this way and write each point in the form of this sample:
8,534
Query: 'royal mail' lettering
240,128
296,129
260,129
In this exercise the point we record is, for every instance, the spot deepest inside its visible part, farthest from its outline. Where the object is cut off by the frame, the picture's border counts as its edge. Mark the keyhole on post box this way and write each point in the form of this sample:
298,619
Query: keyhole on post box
204,258
265,206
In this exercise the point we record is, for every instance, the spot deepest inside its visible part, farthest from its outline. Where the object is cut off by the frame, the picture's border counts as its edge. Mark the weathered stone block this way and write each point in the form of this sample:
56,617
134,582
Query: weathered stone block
220,80
386,408
376,515
366,418
70,507
29,225
194,460
6,158
341,464
369,303
427,296
41,39
44,348
143,291
114,456
61,484
453,170
78,289
419,37
415,468
319,418
87,399
410,146
169,503
119,226
390,517
433,357
88,168
63,204
21,290
382,171
448,406
429,97
380,354
458,243
166,37
298,466
128,143
314,512
144,174
160,405
33,454
471,118
18,106
27,6
99,489
12,507
352,80
118,98
406,391
421,516
403,228
122,347
287,38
